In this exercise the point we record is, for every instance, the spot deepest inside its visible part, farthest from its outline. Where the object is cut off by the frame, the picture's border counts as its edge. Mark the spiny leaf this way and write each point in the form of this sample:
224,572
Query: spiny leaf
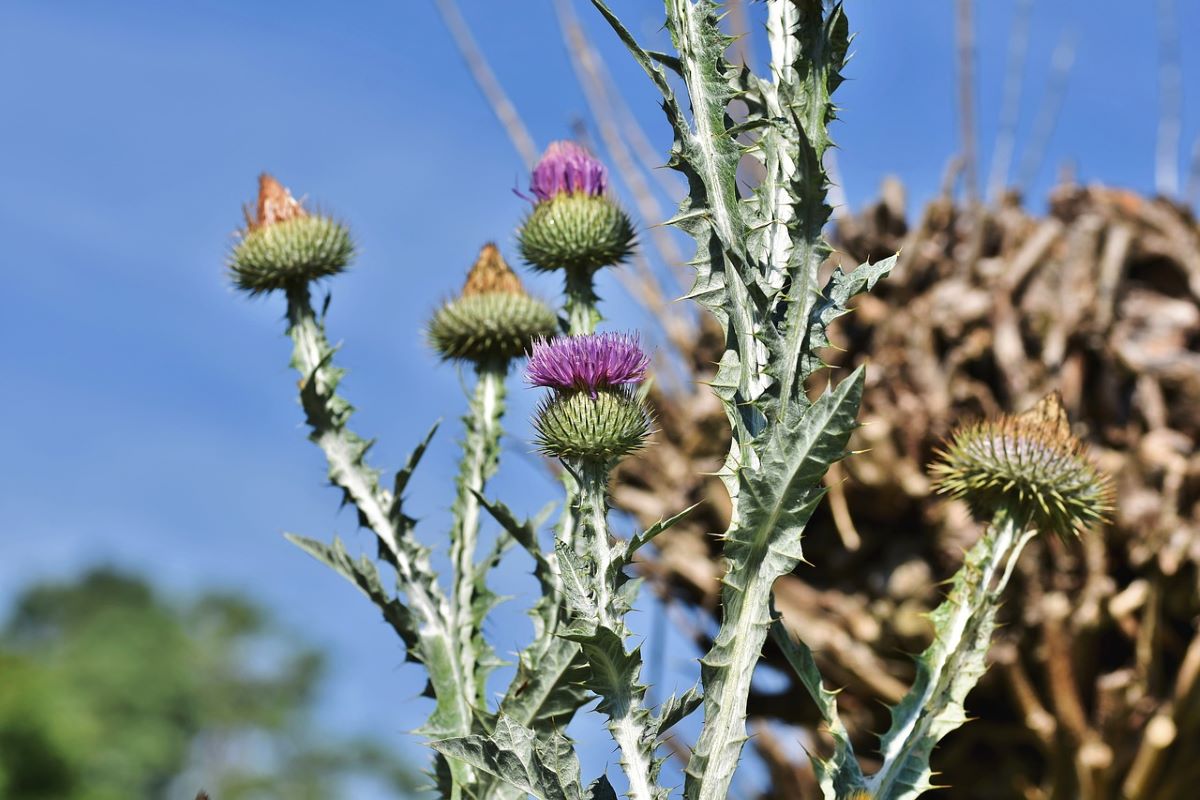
840,776
544,767
639,541
363,574
676,708
601,789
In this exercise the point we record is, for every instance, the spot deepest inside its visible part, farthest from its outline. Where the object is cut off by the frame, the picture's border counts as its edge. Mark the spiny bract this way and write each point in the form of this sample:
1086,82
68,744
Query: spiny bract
1029,465
492,319
577,231
283,245
288,253
494,325
578,427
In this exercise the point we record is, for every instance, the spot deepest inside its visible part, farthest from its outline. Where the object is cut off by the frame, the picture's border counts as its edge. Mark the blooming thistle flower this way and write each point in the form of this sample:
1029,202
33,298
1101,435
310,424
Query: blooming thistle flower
587,363
567,168
574,225
594,415
493,319
283,246
1029,465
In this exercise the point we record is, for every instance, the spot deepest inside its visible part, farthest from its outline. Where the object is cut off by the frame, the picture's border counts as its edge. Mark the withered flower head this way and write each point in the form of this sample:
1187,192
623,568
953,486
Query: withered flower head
275,204
283,246
493,320
491,274
1029,465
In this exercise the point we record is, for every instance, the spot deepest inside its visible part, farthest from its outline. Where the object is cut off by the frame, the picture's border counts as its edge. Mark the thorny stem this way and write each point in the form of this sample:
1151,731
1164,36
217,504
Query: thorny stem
479,461
627,715
973,614
327,413
581,302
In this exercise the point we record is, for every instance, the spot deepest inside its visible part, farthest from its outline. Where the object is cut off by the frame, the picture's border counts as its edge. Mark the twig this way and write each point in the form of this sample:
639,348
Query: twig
1170,102
835,483
964,37
1047,117
1010,111
587,69
1037,719
1192,196
485,79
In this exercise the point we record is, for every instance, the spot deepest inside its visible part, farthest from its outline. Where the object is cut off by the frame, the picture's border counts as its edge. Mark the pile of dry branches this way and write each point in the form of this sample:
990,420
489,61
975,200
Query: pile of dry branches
1094,690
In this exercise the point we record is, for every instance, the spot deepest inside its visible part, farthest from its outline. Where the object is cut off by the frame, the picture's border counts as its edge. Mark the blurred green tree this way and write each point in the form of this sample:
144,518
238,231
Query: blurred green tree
110,692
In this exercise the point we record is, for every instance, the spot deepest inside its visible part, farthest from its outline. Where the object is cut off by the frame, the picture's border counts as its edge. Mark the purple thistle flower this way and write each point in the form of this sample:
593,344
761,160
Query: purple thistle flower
587,363
567,167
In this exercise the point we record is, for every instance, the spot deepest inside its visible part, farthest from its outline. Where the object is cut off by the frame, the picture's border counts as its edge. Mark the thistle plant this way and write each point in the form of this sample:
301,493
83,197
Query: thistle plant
759,254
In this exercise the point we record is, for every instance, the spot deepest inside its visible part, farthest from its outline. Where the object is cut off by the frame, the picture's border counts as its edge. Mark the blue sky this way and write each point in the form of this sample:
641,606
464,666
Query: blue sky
149,414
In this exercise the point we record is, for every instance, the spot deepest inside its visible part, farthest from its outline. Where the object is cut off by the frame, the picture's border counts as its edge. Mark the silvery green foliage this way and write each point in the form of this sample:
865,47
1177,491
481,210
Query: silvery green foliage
443,631
757,262
757,265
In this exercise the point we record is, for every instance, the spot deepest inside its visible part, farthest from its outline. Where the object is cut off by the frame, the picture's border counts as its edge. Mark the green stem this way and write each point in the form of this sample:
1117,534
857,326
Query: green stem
327,413
595,542
581,302
479,461
950,667
614,672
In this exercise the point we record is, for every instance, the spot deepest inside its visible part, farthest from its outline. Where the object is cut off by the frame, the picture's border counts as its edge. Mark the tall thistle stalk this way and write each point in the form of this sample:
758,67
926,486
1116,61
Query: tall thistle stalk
284,248
488,325
757,261
594,419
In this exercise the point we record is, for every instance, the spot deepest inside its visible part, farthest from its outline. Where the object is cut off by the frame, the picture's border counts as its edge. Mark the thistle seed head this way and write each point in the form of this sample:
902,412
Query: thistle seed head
493,319
1029,465
567,168
579,232
601,429
590,363
283,245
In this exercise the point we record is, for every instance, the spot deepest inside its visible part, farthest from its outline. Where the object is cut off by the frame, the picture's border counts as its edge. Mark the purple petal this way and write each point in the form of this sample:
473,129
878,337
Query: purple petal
587,363
567,167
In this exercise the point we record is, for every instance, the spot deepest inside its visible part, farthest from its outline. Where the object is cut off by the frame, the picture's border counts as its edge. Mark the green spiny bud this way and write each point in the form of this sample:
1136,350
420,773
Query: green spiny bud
576,426
493,319
576,231
1029,465
283,245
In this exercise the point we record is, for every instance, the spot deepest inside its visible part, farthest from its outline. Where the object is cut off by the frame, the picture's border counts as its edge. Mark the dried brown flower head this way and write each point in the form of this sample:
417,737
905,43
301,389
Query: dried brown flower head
491,274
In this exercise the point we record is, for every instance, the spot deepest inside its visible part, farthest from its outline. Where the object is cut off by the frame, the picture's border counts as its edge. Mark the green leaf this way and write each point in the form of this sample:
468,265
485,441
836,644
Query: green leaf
775,502
834,302
840,776
547,689
363,574
544,767
601,789
638,542
676,708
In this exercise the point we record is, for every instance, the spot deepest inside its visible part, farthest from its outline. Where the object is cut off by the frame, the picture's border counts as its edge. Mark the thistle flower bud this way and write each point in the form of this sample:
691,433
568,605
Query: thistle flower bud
493,319
283,245
1029,465
595,414
574,224
578,427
